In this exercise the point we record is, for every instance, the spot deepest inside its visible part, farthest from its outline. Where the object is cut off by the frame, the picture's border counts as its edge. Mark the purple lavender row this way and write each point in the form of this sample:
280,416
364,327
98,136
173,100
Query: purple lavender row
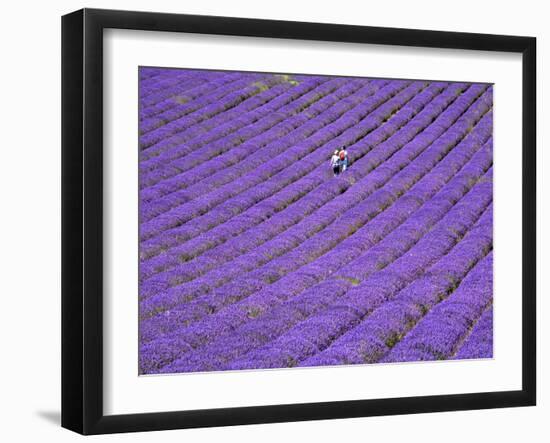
286,167
379,153
306,252
235,112
168,104
375,336
165,78
147,72
232,116
257,114
194,138
229,175
155,101
149,76
173,142
177,97
281,170
189,101
163,74
252,131
180,118
239,112
267,318
316,102
182,93
299,119
217,81
479,344
277,220
171,80
438,334
318,331
242,200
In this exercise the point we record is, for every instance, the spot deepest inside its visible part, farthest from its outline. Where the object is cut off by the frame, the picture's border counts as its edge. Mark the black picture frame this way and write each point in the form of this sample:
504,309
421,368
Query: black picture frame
82,218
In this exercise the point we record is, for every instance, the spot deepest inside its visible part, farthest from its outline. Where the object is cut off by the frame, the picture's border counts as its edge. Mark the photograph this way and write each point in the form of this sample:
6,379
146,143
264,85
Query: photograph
275,222
297,220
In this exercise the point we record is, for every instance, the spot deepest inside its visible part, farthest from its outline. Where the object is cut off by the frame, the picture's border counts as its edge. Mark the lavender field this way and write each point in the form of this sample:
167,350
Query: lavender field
254,255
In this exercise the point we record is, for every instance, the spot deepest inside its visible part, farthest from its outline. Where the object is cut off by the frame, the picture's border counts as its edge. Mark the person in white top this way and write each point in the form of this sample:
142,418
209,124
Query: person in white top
335,163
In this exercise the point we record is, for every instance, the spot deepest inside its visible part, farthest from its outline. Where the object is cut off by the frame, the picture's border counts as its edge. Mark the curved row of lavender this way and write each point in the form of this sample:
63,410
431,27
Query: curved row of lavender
253,255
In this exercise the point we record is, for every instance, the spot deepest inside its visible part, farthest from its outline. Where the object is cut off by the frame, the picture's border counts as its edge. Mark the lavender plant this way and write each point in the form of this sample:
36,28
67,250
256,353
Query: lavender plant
254,255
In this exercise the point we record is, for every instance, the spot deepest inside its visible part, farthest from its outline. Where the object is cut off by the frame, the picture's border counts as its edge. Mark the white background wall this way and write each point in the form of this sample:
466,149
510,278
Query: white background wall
30,219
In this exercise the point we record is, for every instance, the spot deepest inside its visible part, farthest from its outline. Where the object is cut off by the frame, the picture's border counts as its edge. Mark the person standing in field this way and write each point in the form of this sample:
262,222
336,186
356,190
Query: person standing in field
343,159
335,163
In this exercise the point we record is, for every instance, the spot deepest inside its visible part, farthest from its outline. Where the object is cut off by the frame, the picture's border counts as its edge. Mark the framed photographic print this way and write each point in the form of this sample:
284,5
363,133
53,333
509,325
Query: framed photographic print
270,221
